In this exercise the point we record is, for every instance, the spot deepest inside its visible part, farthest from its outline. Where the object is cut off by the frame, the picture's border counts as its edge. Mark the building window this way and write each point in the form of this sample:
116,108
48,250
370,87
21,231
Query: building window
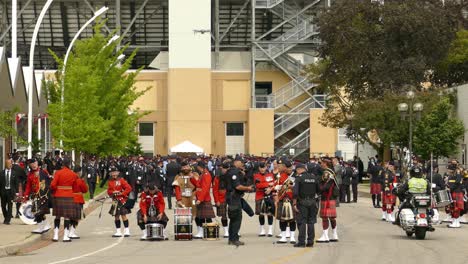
234,129
146,129
263,88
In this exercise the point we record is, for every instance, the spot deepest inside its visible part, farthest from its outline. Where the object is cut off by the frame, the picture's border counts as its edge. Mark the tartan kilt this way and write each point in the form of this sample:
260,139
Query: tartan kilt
205,210
328,209
66,207
122,210
458,200
221,210
388,198
375,188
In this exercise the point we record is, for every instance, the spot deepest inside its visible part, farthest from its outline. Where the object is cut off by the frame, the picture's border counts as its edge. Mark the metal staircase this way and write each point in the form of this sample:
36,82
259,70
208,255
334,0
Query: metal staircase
267,3
300,144
276,52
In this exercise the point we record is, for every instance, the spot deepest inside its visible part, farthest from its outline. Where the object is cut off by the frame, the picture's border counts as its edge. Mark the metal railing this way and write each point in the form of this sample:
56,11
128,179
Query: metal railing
301,142
293,117
302,31
264,101
285,94
267,3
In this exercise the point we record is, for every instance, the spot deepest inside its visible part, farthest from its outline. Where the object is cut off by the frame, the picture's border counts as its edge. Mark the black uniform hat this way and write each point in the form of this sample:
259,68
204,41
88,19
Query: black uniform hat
32,160
261,165
201,164
239,158
300,166
226,165
285,162
183,163
112,169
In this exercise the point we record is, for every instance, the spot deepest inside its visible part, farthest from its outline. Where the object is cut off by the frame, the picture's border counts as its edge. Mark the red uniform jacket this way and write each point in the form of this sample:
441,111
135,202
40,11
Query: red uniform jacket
62,184
218,194
158,200
32,184
262,181
79,188
203,187
282,179
119,185
178,193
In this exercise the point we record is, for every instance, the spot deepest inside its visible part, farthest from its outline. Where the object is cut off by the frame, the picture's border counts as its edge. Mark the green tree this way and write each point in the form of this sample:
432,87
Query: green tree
98,94
379,119
439,131
454,69
371,52
7,119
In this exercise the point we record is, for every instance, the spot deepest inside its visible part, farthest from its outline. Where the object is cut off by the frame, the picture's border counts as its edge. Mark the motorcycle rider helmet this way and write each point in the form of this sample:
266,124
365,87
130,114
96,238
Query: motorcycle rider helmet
416,172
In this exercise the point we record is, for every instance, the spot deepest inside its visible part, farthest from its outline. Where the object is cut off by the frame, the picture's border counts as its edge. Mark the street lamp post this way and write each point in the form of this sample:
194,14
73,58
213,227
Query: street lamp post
414,110
96,15
31,74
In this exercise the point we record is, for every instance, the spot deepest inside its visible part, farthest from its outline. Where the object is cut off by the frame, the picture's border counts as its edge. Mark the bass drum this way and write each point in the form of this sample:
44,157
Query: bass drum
26,214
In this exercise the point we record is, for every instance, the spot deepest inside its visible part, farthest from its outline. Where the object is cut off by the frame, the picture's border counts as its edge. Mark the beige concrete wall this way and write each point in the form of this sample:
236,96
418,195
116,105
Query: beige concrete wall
277,78
189,107
236,95
322,139
154,101
261,131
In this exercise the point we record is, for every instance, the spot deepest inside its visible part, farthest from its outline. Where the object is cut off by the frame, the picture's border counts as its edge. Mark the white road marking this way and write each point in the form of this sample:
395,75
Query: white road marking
89,254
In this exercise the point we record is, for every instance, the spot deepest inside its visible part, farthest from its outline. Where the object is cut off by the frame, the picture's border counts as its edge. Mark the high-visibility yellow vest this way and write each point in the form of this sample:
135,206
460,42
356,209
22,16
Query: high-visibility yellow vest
417,185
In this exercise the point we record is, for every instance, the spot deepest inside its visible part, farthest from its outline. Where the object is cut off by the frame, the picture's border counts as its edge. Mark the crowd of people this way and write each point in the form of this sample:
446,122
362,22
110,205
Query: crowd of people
391,187
291,192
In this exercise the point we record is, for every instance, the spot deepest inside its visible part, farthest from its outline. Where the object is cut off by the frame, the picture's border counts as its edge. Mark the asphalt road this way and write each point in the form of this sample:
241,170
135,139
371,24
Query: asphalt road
363,239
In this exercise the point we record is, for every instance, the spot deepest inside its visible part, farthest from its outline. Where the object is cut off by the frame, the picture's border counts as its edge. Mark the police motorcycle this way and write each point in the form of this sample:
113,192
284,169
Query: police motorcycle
415,212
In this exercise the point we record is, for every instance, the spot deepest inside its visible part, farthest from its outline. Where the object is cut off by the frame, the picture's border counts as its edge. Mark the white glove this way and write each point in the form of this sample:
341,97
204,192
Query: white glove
278,187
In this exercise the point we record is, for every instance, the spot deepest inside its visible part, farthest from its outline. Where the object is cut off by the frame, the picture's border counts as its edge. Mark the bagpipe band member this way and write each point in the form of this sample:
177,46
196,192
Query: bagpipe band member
264,204
329,193
119,189
388,198
79,189
219,195
37,189
285,213
205,212
151,211
64,204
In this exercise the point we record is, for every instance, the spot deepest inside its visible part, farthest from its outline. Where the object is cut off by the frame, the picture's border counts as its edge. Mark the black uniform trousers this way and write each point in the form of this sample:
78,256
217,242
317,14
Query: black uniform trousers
91,187
355,191
345,194
104,178
169,191
7,206
306,218
235,215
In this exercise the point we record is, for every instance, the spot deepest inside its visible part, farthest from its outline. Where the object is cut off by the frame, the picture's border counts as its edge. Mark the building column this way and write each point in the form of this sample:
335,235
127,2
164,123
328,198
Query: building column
189,75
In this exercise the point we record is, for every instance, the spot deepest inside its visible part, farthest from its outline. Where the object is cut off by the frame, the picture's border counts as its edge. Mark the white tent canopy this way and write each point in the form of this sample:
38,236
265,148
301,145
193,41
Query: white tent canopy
187,147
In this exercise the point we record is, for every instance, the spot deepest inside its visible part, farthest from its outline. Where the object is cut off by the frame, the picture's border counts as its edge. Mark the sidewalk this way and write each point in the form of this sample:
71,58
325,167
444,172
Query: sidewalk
17,236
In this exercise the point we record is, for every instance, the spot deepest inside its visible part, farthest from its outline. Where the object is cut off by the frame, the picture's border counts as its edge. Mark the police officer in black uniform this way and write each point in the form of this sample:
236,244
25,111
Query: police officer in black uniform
306,187
91,172
235,191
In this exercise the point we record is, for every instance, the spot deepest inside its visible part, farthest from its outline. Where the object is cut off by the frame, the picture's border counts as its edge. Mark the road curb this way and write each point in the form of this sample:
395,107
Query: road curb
33,239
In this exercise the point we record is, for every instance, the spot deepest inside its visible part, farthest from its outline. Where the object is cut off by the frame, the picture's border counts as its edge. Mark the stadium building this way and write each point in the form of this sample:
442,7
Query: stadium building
226,75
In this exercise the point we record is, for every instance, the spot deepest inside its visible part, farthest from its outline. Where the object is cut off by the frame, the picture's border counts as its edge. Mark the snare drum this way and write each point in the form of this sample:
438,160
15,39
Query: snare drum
183,223
155,231
210,231
442,198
